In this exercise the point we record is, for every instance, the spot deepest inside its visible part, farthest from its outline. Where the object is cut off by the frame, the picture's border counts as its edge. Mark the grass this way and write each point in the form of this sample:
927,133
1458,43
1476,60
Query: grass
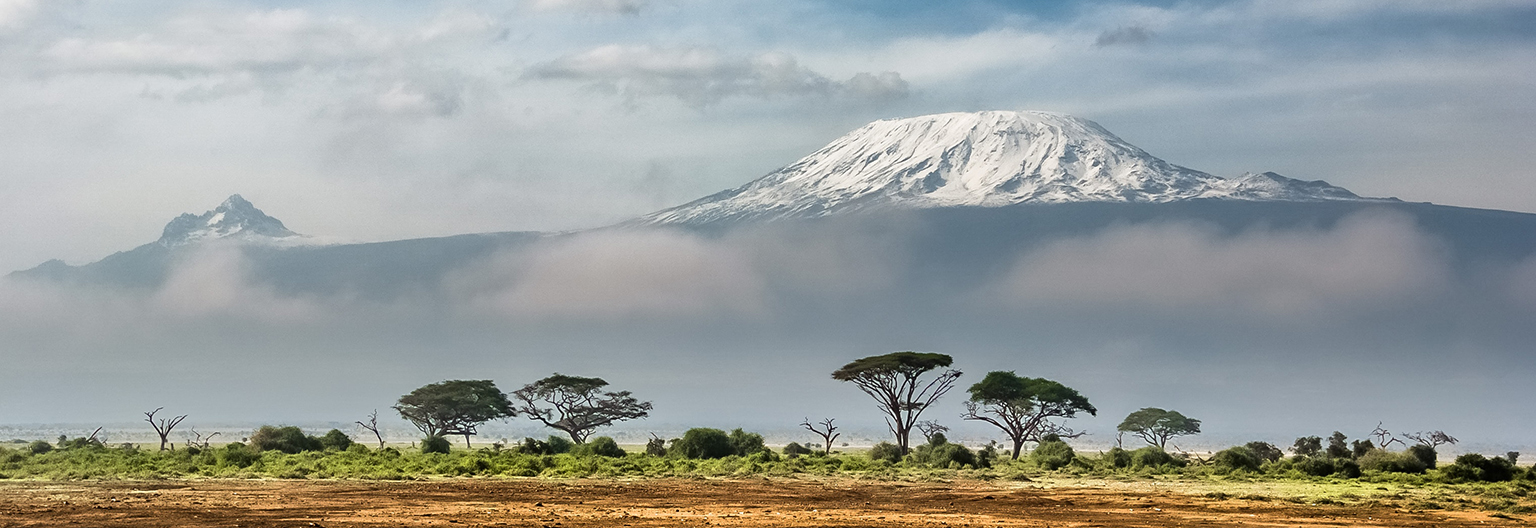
1430,491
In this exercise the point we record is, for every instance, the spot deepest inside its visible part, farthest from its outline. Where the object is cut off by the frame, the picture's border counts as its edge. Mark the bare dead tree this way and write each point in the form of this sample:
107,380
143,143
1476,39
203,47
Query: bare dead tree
373,427
197,440
1432,439
1383,437
92,439
163,426
825,430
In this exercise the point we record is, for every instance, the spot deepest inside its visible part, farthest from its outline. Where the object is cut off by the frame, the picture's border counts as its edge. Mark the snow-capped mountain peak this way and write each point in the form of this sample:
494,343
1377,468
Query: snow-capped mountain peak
990,158
236,218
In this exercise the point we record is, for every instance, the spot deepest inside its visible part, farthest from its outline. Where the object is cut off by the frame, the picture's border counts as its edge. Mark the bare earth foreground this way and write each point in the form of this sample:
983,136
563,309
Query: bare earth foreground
673,502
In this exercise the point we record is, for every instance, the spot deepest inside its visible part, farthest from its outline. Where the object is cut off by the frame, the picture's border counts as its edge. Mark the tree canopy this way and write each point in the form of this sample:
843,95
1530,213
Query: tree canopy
895,382
454,407
1025,408
1156,426
577,405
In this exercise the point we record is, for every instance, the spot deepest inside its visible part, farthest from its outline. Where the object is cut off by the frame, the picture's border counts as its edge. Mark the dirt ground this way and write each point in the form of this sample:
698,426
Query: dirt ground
676,502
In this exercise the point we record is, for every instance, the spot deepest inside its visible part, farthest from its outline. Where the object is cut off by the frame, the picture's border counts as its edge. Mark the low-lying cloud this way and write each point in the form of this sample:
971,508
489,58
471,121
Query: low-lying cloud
1369,261
610,276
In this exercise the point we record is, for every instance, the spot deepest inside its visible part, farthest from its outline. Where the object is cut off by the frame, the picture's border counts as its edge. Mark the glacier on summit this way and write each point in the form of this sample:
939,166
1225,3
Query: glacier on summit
984,159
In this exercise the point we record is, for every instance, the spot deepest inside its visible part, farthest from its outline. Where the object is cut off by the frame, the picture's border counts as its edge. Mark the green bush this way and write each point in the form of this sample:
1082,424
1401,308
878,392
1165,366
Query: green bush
886,451
436,444
287,439
656,446
1153,456
1052,455
703,442
1389,462
335,439
744,443
601,446
1265,451
237,455
1473,467
795,449
559,444
39,447
1238,458
1425,454
944,455
1117,458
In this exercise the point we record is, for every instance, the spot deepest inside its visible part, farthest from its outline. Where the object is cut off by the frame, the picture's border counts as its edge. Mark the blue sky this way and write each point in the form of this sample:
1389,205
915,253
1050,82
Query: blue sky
386,120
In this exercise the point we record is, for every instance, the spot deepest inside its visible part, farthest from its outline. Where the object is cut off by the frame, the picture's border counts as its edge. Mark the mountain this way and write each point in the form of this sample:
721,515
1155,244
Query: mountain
985,159
236,218
962,194
288,261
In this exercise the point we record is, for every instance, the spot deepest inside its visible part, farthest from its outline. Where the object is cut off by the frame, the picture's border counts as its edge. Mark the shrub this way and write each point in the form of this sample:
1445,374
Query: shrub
533,447
1425,454
238,455
1052,455
1117,458
559,444
940,453
1475,467
703,442
744,443
601,446
1238,458
795,449
335,439
1153,456
435,444
287,439
39,447
1265,451
1389,462
885,451
656,446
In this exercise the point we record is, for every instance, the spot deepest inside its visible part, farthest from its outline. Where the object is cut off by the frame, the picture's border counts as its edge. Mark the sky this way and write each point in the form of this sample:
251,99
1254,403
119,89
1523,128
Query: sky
389,120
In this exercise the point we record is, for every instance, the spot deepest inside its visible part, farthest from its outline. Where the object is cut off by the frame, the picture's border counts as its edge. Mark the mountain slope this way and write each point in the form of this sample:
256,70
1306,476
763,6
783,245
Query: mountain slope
979,159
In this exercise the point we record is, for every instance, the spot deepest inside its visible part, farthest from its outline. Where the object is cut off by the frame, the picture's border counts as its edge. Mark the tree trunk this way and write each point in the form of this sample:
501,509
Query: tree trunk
466,441
1018,445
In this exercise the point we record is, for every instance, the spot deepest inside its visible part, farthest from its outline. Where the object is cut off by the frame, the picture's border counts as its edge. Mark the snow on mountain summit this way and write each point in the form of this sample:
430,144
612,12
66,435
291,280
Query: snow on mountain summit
980,159
236,218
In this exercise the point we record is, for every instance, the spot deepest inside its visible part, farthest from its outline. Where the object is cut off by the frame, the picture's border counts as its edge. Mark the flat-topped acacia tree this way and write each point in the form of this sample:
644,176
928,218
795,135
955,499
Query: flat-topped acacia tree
454,407
577,405
1026,409
896,383
1157,426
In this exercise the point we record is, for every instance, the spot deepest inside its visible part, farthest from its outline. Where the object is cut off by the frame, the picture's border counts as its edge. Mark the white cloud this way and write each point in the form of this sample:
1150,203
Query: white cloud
15,12
604,6
1369,261
703,76
652,275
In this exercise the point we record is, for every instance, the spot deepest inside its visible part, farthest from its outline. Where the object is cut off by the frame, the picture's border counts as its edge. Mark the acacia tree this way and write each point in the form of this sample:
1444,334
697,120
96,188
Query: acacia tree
1156,426
895,382
576,405
454,407
1026,409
